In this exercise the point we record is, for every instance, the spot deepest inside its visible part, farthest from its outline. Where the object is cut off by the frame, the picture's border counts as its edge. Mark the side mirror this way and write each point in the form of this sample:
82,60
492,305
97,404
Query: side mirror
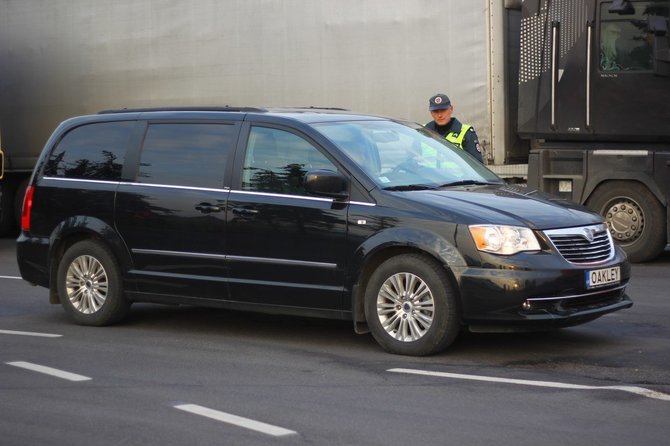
622,7
327,183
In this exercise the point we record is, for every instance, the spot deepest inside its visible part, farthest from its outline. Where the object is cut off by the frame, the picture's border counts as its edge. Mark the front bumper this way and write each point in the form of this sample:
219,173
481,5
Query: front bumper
593,301
539,291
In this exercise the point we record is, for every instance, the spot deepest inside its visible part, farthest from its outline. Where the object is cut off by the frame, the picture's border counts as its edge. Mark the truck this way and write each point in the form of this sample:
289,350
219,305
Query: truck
571,97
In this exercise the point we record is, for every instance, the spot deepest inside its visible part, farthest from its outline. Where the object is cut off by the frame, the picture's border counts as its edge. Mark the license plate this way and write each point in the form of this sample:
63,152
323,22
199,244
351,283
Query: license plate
601,277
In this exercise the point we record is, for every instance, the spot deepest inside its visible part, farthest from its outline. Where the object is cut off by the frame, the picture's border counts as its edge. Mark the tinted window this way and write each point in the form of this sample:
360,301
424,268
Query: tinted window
276,161
93,151
402,155
191,155
626,40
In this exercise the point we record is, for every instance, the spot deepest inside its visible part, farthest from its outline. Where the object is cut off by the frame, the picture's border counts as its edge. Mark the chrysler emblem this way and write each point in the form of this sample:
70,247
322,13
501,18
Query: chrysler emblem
589,234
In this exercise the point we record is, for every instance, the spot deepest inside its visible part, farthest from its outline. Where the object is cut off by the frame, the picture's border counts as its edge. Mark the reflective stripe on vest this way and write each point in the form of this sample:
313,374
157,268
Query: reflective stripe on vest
457,138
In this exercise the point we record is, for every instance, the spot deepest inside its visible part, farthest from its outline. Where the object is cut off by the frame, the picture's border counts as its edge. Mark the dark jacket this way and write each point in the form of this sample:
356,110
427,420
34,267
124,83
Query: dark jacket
470,141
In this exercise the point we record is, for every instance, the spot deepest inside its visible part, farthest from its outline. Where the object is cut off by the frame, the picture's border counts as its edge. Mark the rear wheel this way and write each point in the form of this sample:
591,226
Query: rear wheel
89,284
410,306
636,219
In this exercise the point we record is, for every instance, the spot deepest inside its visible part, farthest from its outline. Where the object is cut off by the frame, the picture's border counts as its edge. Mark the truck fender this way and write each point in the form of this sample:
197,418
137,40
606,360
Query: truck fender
596,180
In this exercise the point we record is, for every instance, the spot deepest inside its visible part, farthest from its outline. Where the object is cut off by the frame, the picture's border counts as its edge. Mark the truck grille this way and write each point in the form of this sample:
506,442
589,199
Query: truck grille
584,244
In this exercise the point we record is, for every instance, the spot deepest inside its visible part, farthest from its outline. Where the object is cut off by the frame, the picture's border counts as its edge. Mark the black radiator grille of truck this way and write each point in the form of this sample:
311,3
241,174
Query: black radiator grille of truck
589,244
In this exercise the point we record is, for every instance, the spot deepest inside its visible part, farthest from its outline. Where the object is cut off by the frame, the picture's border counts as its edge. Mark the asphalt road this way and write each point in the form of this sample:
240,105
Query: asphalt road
189,376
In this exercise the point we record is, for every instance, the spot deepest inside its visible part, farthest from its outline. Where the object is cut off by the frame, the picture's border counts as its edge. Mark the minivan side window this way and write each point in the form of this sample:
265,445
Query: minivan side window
191,155
93,151
277,160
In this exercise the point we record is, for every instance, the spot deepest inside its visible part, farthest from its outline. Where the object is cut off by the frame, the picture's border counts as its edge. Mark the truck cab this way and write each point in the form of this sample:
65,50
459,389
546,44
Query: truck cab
594,100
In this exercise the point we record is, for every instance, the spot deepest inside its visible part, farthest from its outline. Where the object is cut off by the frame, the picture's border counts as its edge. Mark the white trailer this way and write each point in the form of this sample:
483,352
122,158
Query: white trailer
61,59
378,56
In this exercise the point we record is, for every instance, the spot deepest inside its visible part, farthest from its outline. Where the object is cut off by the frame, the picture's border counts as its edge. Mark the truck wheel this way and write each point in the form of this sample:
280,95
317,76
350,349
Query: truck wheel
636,219
89,284
410,306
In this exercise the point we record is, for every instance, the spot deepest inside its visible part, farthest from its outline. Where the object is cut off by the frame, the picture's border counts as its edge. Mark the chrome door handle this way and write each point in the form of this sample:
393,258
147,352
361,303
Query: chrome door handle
207,208
245,212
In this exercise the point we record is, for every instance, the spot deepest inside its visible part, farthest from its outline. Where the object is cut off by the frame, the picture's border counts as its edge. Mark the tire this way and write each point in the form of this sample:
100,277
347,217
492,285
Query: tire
410,306
90,286
636,219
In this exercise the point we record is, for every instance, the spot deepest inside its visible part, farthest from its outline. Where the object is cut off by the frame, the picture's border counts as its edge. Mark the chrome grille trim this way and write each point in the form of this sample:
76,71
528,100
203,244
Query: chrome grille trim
576,303
619,288
583,244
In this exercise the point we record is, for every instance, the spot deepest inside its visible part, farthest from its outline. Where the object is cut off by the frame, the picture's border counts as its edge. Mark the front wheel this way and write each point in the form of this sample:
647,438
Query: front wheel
410,306
89,284
634,216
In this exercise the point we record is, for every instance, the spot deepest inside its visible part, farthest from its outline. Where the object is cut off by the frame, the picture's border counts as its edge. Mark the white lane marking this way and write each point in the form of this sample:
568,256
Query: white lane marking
30,333
11,277
49,371
247,423
632,389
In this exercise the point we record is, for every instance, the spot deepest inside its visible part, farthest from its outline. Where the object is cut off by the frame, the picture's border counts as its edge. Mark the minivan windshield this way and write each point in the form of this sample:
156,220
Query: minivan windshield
405,156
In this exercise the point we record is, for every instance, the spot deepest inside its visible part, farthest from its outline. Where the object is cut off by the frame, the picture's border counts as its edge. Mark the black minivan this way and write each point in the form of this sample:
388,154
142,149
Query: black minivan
311,212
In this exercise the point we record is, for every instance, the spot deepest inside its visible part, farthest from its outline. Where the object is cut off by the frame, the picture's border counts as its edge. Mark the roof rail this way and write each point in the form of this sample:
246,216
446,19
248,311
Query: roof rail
312,107
224,108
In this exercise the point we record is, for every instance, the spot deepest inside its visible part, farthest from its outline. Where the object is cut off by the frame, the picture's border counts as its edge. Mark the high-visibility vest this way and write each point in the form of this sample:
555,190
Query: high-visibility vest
429,154
458,137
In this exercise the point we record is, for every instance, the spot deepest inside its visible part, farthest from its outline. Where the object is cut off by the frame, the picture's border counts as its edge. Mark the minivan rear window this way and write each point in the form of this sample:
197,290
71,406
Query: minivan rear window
92,151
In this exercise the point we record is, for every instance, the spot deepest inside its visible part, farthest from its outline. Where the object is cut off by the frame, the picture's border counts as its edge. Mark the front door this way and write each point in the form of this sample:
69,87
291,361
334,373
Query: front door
284,247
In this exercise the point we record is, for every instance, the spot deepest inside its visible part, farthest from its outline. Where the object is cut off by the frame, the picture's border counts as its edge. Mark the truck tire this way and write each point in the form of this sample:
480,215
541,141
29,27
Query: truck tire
636,219
411,307
90,286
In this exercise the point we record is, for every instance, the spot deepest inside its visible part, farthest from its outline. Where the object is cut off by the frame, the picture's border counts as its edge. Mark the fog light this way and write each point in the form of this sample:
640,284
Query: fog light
565,186
526,305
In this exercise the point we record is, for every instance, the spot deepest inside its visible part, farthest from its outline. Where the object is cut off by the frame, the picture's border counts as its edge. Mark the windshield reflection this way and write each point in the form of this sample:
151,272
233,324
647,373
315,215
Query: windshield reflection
405,156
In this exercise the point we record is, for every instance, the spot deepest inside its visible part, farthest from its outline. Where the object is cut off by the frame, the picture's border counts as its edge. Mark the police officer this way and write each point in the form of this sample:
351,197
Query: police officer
462,135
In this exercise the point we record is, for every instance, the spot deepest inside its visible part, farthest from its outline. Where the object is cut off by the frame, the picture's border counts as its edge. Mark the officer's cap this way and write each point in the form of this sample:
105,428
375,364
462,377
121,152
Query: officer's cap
439,102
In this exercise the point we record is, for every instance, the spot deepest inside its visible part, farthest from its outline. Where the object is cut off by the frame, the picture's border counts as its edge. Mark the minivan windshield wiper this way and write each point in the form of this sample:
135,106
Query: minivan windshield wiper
409,187
467,183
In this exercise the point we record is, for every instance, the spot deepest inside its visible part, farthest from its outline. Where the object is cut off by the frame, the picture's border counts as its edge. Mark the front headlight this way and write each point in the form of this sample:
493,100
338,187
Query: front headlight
504,240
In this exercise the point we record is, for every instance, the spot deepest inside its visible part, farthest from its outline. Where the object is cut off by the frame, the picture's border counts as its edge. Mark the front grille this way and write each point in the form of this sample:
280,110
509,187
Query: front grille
584,244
